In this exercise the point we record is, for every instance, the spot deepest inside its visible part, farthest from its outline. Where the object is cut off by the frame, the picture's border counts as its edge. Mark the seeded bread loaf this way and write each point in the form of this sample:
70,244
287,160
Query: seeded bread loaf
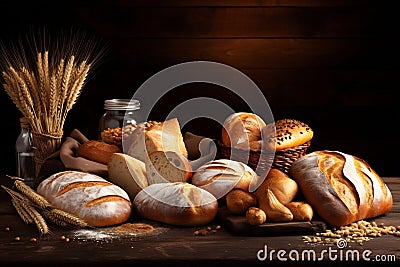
286,133
176,204
156,136
220,176
340,187
87,196
167,166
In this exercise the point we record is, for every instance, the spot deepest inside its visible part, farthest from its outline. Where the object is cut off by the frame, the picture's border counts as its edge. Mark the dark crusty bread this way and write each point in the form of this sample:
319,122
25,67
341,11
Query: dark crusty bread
340,187
87,196
286,133
97,151
176,204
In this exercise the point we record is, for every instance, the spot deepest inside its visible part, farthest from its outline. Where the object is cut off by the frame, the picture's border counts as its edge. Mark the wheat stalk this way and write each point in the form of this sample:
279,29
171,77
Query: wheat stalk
46,84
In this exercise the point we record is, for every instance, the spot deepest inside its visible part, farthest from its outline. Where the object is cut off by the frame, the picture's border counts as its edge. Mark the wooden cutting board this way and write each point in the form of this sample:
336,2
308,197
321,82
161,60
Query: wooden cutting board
238,225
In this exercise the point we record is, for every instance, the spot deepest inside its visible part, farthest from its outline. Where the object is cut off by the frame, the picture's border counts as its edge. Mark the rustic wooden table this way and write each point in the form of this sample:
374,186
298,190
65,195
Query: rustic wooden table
178,246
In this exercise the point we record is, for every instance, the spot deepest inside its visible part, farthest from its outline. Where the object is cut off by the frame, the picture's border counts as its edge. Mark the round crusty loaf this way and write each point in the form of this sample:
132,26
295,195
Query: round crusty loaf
221,176
97,151
176,204
167,166
87,196
286,133
340,187
242,130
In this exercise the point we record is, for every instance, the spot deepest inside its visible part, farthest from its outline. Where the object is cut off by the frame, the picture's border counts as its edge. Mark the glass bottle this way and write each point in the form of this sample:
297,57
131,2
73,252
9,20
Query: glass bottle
25,153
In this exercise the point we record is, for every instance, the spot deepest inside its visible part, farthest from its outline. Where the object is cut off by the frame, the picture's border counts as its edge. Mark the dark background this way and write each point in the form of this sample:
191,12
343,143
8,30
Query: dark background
332,64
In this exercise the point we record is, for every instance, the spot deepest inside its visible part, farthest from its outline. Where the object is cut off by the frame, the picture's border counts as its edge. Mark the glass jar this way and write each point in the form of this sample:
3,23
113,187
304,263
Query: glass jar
119,113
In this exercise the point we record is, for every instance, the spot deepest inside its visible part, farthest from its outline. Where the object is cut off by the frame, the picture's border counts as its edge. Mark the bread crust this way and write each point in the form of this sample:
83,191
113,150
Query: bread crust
340,187
97,151
178,203
286,133
87,196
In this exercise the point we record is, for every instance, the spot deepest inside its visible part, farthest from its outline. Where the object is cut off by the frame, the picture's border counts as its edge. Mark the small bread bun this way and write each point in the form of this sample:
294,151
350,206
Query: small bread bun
238,201
97,151
286,133
255,216
242,128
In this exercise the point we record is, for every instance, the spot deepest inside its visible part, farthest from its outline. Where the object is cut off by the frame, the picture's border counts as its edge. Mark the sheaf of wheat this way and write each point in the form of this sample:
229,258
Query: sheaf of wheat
44,77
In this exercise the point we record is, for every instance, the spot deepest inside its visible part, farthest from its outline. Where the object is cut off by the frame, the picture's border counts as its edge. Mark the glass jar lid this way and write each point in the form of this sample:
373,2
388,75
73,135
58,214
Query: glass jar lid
121,104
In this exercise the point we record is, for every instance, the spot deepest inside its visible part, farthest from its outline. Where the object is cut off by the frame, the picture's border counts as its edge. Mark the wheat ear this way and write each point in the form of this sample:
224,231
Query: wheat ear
32,195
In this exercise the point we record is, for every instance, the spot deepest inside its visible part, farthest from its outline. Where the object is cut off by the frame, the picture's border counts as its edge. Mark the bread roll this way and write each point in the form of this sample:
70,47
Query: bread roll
301,211
221,176
176,204
156,136
87,196
238,201
340,187
274,210
255,216
242,130
128,173
286,133
97,151
167,166
284,188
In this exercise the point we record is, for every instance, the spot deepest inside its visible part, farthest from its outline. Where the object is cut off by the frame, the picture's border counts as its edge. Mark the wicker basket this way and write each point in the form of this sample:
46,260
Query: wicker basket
281,160
259,162
285,158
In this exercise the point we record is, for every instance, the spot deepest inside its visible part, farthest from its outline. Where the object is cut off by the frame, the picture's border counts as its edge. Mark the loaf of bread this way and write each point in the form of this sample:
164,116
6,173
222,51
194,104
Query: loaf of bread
128,173
87,196
176,204
167,166
243,130
221,176
286,133
340,187
156,136
97,151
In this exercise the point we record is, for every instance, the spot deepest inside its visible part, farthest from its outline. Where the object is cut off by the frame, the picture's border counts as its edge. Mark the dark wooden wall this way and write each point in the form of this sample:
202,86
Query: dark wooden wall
332,64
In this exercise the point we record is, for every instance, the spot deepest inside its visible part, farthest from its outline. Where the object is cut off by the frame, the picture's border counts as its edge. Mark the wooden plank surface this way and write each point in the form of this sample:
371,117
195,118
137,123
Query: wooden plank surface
169,245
